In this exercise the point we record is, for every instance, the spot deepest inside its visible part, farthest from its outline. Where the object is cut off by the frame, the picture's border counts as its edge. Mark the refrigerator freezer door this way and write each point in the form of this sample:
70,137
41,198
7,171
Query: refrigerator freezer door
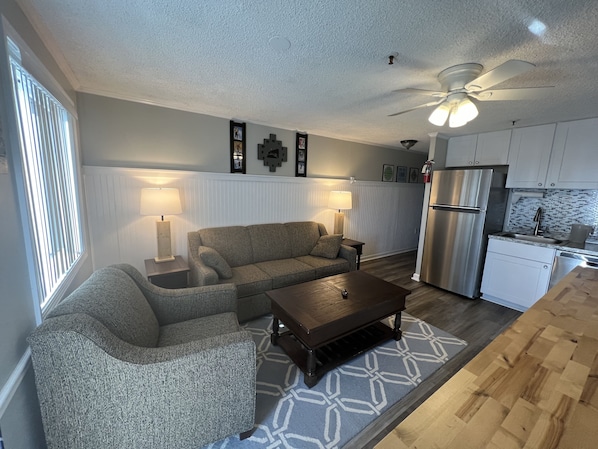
465,188
453,248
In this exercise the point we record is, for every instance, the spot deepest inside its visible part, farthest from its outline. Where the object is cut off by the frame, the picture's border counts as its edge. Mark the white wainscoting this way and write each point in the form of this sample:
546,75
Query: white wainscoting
385,215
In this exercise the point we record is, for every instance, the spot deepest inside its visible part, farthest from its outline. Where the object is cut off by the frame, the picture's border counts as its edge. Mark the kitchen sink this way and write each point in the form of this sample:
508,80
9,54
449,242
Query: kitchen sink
532,238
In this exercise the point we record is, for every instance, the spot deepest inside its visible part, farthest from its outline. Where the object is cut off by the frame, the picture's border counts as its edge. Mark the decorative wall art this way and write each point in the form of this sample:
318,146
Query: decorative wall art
272,152
301,155
388,173
237,148
414,174
401,174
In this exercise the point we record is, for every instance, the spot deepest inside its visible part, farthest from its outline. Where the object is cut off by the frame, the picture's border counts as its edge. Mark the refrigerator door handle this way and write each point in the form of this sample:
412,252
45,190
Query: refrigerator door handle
470,210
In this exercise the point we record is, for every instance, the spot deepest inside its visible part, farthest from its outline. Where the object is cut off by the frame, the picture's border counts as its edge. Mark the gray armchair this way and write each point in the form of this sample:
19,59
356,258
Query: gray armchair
122,363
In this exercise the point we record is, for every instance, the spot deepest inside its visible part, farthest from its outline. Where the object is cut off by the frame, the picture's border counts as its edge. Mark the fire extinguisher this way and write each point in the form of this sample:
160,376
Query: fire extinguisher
427,170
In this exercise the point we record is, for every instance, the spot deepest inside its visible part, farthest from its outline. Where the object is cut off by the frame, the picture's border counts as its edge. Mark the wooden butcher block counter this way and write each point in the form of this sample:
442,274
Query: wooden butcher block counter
534,386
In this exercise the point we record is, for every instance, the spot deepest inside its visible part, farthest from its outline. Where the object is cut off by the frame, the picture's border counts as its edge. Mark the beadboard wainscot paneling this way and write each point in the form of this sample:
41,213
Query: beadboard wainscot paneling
385,215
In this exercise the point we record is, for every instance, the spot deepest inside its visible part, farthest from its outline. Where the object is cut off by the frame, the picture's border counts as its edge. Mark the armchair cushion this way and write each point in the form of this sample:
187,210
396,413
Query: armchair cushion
328,246
213,259
197,329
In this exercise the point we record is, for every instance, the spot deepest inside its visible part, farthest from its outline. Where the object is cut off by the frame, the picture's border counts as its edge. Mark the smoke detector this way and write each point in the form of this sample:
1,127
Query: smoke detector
408,143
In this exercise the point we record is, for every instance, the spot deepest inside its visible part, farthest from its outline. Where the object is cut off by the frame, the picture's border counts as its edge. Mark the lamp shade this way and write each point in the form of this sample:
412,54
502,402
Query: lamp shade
160,201
440,114
339,200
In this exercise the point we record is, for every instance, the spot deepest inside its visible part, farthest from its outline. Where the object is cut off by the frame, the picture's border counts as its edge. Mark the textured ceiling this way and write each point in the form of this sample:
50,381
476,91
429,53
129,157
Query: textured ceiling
218,57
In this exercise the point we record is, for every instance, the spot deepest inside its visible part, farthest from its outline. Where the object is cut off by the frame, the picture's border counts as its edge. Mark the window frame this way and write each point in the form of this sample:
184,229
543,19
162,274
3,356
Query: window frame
29,62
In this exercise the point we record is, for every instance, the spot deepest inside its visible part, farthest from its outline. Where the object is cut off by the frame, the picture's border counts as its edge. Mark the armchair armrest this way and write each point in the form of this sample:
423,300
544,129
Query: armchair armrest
176,305
192,394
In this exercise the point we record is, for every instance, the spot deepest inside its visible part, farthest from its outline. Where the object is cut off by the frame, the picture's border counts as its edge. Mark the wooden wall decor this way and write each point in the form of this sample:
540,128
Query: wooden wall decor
301,155
272,152
238,153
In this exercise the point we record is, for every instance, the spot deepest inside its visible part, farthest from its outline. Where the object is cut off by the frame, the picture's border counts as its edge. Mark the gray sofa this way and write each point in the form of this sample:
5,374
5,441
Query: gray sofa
121,363
263,257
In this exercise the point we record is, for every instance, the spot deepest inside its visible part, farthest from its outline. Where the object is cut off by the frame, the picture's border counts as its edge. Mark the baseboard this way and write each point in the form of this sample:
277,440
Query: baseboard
415,277
388,254
14,381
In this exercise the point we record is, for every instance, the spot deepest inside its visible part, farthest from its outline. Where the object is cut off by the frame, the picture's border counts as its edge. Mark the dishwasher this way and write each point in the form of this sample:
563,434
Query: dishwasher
565,261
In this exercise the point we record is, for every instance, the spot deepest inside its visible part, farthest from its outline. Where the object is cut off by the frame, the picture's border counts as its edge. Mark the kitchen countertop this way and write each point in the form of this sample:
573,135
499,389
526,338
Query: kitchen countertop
534,386
588,248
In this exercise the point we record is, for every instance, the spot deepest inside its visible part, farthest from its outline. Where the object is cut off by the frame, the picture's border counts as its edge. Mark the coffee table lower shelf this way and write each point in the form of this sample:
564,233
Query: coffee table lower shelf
335,353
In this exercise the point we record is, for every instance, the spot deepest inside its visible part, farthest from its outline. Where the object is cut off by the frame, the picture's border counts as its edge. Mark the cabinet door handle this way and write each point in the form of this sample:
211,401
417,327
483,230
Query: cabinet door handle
477,162
552,184
469,163
545,267
539,184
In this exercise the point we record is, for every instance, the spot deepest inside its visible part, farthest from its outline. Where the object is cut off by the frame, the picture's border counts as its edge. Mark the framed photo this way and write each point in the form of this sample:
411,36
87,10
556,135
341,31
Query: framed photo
301,155
388,173
414,174
238,148
401,173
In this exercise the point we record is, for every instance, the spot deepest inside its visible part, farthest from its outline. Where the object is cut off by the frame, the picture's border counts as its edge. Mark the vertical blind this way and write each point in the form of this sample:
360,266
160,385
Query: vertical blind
50,175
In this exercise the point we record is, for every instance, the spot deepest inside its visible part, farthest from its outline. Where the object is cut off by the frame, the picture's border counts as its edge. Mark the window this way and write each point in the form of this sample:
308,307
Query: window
50,180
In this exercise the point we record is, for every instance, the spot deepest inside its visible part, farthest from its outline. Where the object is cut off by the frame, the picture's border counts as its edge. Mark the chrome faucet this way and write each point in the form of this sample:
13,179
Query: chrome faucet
538,220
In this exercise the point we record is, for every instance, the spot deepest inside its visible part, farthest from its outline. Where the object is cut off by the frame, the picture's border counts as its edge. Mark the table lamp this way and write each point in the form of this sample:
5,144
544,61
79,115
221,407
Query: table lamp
340,200
161,201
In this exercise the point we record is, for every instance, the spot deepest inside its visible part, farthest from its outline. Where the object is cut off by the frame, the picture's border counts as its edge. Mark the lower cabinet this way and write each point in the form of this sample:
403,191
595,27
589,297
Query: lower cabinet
516,274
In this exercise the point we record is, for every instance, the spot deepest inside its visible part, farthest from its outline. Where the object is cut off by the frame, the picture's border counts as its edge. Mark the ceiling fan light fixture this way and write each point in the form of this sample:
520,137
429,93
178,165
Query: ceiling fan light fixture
440,114
467,110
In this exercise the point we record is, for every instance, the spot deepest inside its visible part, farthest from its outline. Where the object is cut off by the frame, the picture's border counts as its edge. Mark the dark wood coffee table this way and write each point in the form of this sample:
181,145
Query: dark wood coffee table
325,329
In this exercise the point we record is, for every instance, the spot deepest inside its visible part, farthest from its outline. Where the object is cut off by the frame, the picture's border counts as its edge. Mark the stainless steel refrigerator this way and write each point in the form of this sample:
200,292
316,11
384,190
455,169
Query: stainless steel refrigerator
465,206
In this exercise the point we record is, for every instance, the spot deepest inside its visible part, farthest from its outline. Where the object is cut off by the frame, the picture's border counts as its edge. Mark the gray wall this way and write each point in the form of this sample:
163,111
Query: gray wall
20,422
119,133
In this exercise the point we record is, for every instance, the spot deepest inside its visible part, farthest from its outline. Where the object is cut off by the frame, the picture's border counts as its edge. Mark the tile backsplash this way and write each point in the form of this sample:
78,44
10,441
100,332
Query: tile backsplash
561,209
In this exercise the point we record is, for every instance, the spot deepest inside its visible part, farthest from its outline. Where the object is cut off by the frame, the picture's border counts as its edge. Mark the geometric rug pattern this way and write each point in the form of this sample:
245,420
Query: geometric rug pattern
346,399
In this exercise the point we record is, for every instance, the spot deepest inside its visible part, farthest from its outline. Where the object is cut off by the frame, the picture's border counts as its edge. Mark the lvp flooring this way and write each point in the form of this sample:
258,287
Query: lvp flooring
477,322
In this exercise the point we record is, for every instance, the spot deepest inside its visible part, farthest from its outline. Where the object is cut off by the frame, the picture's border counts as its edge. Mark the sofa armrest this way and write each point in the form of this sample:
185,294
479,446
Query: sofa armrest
110,392
199,273
350,254
176,305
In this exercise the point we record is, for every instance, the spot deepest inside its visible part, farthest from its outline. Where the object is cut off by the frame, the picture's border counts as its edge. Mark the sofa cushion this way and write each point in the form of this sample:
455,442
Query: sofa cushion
269,242
328,246
249,280
113,298
198,329
303,236
212,258
232,242
287,272
326,267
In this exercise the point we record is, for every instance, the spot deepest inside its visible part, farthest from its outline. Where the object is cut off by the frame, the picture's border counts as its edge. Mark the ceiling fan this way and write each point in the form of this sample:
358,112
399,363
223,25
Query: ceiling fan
462,82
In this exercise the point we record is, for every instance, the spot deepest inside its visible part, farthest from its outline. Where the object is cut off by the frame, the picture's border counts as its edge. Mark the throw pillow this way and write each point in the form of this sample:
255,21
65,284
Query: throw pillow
212,258
328,246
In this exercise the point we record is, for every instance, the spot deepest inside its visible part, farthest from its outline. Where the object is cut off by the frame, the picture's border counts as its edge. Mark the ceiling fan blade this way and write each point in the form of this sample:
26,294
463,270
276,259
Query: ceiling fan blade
523,93
432,93
433,103
499,74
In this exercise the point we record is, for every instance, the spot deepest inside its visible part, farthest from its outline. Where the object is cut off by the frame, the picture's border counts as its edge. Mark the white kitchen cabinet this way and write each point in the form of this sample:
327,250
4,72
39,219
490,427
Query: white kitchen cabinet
529,156
516,274
479,149
574,158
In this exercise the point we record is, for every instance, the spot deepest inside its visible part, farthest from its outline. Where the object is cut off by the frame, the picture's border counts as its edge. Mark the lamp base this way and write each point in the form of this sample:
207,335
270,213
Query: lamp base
164,245
339,222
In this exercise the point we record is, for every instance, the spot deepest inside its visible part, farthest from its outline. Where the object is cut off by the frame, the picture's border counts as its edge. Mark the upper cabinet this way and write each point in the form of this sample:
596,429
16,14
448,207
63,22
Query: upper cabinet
478,149
529,156
574,158
555,156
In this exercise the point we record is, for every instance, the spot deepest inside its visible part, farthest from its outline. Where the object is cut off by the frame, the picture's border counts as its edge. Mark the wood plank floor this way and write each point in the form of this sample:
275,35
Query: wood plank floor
476,321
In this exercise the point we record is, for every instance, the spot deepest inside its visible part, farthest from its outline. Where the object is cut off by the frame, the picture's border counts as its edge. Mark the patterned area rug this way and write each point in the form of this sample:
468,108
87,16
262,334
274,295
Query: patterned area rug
345,400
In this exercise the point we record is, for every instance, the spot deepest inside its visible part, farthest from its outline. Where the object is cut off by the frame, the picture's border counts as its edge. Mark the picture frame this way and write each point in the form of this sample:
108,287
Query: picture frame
401,173
414,174
238,148
301,155
388,173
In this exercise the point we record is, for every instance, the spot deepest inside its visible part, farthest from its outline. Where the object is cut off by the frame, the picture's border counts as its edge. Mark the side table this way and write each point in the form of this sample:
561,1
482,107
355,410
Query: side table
172,274
357,245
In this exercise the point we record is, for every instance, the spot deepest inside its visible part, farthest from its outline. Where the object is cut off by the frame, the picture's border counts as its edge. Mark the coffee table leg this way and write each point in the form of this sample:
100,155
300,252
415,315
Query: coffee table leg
275,335
397,329
310,377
